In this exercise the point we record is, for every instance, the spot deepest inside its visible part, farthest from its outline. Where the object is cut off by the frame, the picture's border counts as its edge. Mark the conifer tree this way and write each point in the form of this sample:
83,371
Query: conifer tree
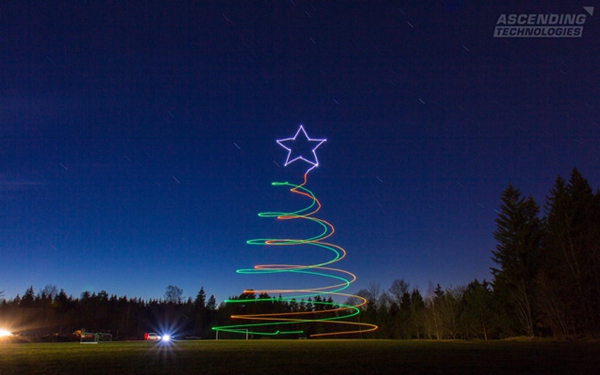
518,235
478,310
200,313
569,281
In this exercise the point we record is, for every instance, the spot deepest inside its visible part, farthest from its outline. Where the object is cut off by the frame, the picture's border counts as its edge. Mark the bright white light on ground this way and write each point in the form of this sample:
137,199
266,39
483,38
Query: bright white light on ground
4,333
166,338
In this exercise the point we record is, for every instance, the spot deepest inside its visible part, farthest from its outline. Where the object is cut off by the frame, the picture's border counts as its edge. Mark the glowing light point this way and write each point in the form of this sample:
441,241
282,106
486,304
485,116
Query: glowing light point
295,143
5,333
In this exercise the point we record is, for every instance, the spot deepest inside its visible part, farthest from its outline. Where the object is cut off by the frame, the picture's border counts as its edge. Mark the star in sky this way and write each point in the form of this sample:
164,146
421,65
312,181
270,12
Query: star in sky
300,148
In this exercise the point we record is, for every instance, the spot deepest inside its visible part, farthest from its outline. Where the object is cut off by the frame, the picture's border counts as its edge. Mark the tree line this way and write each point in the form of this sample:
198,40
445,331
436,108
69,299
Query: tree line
547,279
545,282
53,315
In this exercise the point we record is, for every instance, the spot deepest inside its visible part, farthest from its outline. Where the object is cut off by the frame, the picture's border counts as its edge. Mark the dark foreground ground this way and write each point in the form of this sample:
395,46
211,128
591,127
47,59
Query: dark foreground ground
302,357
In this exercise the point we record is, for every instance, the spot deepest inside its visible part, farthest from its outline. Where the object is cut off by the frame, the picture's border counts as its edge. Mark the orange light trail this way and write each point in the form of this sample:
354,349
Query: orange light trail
331,314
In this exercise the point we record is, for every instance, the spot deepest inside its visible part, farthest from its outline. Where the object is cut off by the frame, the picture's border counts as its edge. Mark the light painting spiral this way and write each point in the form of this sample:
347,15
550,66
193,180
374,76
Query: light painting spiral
339,318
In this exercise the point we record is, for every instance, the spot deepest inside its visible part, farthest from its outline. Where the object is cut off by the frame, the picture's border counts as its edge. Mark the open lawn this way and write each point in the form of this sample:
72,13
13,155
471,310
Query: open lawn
301,357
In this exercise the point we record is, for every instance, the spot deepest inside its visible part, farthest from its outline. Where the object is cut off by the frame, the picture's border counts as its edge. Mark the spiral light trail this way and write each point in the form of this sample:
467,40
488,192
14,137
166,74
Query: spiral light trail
335,316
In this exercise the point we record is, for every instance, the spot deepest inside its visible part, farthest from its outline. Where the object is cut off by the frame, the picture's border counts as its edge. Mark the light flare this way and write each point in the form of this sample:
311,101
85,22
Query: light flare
5,333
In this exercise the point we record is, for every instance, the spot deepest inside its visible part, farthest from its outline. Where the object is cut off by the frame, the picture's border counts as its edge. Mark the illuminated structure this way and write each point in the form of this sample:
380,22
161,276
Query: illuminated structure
333,317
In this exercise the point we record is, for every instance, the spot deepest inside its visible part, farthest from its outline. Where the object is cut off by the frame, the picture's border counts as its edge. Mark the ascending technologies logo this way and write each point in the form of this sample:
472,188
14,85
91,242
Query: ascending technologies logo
542,25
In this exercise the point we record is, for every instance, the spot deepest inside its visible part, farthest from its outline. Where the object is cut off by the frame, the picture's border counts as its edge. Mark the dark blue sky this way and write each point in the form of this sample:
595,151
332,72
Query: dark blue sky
137,139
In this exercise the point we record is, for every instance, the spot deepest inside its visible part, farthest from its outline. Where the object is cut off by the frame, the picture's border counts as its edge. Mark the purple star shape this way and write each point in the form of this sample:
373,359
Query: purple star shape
288,144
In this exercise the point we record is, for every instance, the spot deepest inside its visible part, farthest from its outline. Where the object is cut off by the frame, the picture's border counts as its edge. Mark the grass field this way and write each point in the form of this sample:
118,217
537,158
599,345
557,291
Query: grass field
301,357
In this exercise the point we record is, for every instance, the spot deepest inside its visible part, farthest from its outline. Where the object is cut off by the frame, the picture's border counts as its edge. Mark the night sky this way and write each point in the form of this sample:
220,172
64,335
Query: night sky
138,138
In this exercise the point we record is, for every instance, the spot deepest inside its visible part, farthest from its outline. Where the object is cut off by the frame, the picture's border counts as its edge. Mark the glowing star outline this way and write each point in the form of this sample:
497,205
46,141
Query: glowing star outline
319,142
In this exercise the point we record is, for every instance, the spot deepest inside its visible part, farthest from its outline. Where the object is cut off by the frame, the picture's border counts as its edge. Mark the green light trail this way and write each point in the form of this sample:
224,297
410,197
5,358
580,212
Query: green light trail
333,316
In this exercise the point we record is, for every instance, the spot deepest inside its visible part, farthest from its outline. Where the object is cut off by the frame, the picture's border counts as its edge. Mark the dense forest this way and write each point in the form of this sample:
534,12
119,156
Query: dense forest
545,283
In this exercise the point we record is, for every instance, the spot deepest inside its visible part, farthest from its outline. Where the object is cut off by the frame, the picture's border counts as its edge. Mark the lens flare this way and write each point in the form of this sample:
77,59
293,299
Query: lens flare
5,333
